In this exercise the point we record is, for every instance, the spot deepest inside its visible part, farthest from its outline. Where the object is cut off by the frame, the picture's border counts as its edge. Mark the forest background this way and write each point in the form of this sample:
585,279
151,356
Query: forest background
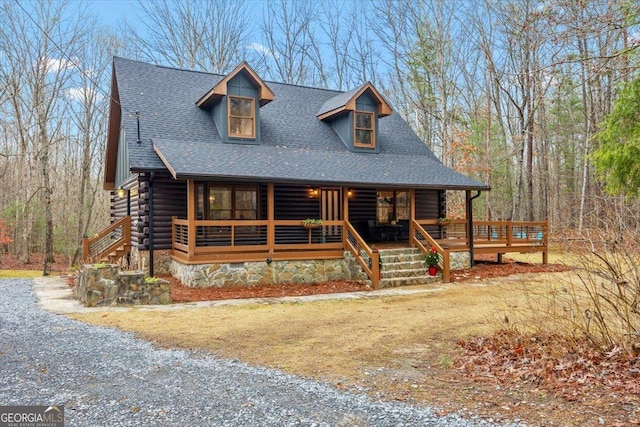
512,93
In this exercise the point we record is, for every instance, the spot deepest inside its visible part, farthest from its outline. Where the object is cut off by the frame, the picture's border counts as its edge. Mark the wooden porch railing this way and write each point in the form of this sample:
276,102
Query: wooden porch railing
243,240
369,259
489,237
114,240
253,240
511,232
423,241
235,240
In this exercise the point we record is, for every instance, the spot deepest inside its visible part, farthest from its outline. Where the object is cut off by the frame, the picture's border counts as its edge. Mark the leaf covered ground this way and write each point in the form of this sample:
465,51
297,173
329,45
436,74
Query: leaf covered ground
541,379
605,384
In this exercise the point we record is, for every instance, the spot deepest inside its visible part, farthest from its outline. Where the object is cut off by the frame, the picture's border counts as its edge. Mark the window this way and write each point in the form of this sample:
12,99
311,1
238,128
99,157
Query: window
241,117
392,206
246,204
220,206
363,129
225,203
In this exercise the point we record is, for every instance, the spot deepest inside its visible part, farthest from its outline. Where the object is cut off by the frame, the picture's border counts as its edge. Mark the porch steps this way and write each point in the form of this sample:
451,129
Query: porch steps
404,267
118,254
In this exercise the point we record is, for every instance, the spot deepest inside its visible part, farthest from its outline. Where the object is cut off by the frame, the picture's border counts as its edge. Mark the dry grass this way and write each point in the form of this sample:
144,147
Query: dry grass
406,340
330,338
19,274
396,348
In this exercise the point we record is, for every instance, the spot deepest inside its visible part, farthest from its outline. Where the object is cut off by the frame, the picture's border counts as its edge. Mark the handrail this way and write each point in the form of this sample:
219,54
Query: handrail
513,232
368,258
444,252
102,239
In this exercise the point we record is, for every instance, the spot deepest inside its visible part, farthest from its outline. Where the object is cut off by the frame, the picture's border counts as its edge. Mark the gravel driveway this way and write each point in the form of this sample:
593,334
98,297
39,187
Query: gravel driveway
105,377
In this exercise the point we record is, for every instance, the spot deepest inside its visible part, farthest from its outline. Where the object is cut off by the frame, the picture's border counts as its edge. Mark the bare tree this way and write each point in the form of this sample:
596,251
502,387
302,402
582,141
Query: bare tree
288,48
38,66
88,107
205,35
339,35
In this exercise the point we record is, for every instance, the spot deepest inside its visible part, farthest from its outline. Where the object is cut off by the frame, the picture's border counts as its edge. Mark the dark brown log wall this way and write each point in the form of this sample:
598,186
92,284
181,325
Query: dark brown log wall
291,202
169,200
118,206
362,208
295,202
430,204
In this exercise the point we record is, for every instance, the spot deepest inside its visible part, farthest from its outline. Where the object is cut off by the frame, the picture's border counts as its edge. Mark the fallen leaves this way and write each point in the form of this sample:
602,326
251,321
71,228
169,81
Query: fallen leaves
568,368
182,293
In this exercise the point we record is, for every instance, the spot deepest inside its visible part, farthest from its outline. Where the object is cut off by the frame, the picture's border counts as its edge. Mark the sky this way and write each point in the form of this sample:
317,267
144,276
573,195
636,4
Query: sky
112,12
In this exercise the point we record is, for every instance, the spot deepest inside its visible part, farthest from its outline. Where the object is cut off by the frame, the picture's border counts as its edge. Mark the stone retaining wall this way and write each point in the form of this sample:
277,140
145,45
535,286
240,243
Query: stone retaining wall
263,273
103,285
161,261
459,260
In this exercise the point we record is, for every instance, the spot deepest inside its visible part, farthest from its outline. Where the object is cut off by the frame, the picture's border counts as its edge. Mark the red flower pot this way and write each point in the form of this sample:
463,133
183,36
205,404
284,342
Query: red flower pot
433,271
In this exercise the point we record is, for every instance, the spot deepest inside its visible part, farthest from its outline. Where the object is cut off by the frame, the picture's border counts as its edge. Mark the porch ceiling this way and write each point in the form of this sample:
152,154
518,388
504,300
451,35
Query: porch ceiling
208,160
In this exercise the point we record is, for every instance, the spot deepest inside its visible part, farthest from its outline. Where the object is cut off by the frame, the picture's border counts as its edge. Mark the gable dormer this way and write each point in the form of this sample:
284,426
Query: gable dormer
235,103
353,115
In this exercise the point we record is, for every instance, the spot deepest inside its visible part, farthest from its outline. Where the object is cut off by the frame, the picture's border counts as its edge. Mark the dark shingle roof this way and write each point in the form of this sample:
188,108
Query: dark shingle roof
295,145
340,100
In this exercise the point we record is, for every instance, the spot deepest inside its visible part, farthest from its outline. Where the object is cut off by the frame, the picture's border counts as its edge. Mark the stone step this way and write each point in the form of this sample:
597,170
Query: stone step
408,281
386,259
396,251
414,272
404,265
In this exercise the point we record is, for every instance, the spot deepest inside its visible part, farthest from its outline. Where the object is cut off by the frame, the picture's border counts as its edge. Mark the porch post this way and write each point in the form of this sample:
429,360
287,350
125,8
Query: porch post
469,199
412,216
191,216
271,224
469,215
345,204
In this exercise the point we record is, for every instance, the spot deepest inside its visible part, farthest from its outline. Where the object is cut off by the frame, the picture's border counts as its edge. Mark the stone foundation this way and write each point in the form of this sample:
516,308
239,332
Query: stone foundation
104,285
261,273
459,260
161,261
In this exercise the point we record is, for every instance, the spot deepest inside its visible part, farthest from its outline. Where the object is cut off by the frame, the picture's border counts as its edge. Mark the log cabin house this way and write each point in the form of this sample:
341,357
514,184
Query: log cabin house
228,180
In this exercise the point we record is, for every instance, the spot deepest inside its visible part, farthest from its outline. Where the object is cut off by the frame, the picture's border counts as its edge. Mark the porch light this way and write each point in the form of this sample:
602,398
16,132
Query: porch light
121,193
349,193
314,192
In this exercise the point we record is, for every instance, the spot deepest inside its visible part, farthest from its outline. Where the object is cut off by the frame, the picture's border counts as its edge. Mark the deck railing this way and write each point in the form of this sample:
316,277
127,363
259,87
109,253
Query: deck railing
228,239
246,240
112,242
510,232
489,237
507,233
369,259
424,241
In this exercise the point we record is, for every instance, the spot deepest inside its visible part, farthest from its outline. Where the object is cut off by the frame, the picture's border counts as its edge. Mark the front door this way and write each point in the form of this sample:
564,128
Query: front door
331,210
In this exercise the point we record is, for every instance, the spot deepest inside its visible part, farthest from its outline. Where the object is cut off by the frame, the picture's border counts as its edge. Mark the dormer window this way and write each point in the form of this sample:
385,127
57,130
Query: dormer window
234,103
364,133
242,123
354,115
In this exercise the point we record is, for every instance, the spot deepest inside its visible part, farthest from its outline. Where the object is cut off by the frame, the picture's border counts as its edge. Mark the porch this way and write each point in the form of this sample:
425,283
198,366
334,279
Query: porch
237,241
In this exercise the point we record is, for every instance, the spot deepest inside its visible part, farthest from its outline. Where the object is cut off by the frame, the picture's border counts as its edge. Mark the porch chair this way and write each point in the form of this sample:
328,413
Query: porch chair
376,232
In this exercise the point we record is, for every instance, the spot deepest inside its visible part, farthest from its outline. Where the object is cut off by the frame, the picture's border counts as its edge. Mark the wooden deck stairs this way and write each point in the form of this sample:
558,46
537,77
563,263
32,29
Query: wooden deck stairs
110,245
403,267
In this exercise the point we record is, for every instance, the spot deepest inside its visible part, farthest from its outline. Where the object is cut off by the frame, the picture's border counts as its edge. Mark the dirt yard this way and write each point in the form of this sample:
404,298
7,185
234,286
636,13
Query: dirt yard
439,348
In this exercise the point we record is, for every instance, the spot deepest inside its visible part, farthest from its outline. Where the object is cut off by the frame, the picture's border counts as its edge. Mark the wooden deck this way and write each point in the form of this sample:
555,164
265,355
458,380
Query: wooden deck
255,240
229,241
